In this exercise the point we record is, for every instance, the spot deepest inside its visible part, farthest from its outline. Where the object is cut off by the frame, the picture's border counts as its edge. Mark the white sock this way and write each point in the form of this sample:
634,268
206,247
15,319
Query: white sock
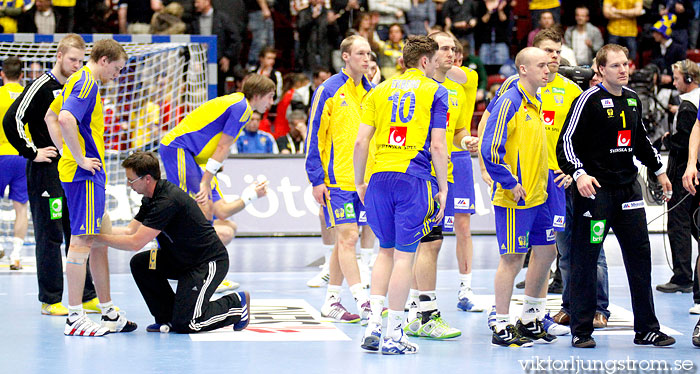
366,255
17,244
502,320
428,303
395,324
332,295
108,309
359,294
376,304
414,297
465,281
75,312
327,256
532,307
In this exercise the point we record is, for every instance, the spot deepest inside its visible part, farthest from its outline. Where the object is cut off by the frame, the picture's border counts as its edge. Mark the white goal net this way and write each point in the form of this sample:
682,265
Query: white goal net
160,84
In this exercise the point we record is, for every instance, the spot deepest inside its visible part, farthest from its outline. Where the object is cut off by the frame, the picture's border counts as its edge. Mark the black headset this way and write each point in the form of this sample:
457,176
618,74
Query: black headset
687,78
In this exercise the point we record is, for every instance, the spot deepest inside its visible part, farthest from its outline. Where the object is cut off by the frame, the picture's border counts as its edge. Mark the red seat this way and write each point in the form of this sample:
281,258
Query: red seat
494,79
693,55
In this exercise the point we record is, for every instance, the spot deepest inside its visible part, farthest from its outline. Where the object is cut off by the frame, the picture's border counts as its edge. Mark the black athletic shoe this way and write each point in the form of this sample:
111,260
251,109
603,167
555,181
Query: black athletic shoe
696,335
582,341
655,338
535,331
510,337
520,285
555,287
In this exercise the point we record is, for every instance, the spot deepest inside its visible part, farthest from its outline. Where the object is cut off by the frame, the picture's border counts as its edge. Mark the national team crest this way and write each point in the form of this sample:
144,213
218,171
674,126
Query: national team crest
548,117
397,135
624,138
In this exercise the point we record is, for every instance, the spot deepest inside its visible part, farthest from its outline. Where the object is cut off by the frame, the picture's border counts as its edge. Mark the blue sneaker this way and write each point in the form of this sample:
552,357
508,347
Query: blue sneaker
390,346
159,327
245,311
372,338
492,318
554,328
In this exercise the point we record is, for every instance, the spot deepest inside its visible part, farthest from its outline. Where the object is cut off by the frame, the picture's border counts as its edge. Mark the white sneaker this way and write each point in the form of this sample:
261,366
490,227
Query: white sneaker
365,273
119,324
320,279
227,285
695,309
84,326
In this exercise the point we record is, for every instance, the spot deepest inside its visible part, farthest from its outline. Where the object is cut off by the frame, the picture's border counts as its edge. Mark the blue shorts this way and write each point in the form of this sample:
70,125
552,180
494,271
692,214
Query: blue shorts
463,195
14,175
556,200
400,209
86,204
518,229
182,170
344,207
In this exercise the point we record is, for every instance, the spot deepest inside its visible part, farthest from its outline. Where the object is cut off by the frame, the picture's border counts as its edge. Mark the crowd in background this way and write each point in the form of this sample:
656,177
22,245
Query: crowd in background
296,42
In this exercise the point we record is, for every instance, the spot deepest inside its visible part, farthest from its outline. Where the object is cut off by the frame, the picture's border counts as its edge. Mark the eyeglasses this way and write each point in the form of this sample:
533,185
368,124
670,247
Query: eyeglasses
131,182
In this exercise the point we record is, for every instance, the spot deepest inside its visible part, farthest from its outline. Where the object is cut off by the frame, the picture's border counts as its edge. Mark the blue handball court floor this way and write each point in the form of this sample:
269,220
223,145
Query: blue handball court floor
275,271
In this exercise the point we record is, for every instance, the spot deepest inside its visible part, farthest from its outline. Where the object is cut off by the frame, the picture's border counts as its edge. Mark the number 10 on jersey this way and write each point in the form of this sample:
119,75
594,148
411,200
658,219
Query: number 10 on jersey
399,103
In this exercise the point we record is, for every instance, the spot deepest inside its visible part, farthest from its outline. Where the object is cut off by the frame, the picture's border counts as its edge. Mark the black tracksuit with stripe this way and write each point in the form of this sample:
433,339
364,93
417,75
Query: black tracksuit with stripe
601,135
42,185
191,253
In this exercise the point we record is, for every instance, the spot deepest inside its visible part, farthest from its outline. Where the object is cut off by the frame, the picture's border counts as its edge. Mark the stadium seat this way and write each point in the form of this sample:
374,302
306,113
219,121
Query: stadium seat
693,55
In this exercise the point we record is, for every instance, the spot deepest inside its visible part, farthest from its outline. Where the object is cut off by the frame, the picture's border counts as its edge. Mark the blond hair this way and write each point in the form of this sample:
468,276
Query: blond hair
71,41
109,48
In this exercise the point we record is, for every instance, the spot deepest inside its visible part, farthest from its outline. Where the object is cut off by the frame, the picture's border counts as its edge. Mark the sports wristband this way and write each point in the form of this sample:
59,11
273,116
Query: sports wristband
463,142
248,195
213,166
578,173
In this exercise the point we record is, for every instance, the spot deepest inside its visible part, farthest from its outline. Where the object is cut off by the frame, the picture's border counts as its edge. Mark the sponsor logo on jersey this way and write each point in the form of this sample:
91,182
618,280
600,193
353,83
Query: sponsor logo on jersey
461,203
263,140
397,135
633,205
597,231
611,113
339,213
587,214
631,102
558,221
349,210
448,119
449,222
363,217
550,234
56,207
343,103
607,103
548,117
624,138
558,90
527,117
559,99
56,93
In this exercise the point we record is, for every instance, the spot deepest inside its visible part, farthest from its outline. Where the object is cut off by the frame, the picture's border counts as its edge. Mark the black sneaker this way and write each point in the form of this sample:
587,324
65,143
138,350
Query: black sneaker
582,342
655,338
696,335
520,285
510,337
535,331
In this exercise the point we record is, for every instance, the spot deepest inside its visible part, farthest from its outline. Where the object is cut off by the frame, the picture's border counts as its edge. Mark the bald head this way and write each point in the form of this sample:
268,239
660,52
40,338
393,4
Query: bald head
532,67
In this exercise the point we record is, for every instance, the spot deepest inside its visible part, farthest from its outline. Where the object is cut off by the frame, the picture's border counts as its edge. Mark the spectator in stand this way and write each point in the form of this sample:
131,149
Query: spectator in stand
348,11
474,62
390,52
491,33
460,20
537,7
65,15
266,66
228,43
683,10
314,25
168,21
103,17
135,15
666,51
622,23
546,21
694,28
39,19
10,12
293,142
254,140
238,18
584,38
390,12
284,107
421,17
363,27
261,28
301,99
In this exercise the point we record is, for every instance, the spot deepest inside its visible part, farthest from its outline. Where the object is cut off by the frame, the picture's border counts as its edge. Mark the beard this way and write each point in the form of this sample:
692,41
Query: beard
64,72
